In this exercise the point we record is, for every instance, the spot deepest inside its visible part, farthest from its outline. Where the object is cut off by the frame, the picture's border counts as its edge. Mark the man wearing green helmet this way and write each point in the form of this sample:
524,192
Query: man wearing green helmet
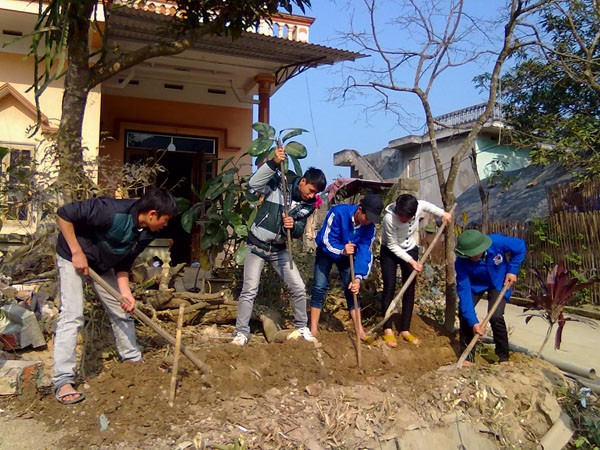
485,263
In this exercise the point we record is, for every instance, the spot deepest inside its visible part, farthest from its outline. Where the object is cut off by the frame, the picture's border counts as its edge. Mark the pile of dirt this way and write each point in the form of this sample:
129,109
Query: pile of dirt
301,395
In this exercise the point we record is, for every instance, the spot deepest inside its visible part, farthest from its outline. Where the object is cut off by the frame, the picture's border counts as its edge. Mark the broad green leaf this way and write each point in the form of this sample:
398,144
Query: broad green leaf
227,162
183,204
252,217
293,132
264,129
240,254
215,190
3,152
187,220
296,149
297,166
241,230
228,176
260,146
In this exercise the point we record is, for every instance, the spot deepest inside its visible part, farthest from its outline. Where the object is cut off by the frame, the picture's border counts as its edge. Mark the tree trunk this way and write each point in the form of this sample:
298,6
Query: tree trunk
449,244
483,195
68,140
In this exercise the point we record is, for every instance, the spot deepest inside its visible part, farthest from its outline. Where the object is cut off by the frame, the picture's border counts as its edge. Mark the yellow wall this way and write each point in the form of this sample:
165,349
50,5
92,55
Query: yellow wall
19,74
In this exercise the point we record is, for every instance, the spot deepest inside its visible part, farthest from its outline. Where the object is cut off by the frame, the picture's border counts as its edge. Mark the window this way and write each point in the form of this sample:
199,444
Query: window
15,181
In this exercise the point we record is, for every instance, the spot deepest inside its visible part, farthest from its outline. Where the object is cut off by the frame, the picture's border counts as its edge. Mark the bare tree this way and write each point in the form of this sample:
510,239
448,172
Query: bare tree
443,37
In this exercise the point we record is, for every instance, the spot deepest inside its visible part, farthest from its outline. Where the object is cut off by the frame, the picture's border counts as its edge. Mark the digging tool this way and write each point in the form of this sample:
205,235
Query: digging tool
484,323
356,322
288,241
175,368
392,308
147,321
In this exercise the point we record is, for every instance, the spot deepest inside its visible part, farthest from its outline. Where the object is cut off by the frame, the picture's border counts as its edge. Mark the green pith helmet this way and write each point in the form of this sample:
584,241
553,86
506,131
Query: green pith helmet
472,243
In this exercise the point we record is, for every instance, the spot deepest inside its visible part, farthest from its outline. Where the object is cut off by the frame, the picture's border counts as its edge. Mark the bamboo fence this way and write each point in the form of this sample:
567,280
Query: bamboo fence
571,237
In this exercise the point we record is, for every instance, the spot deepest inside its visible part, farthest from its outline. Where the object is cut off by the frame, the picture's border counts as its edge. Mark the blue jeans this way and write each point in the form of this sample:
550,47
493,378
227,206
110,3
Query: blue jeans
70,321
253,265
323,265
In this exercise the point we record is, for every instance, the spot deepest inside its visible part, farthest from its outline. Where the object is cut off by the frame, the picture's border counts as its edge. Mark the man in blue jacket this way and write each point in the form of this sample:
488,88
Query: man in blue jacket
486,264
107,235
347,230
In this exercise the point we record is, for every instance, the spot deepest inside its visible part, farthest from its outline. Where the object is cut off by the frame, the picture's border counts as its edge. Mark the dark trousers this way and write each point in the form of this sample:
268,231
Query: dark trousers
389,265
496,321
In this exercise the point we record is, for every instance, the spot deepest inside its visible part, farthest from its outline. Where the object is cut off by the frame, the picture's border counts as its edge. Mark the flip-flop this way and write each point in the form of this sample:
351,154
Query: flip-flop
410,338
390,340
61,397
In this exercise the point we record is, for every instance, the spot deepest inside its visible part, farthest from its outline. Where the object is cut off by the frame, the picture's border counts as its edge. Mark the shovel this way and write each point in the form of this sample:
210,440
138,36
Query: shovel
484,323
392,308
356,322
146,320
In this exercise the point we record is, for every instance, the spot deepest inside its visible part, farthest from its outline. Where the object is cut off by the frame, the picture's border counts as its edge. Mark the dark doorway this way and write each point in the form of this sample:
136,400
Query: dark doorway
188,162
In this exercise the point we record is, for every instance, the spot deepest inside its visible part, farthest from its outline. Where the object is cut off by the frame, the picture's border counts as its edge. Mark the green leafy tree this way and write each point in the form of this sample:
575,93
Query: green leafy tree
226,206
264,147
224,213
60,48
553,92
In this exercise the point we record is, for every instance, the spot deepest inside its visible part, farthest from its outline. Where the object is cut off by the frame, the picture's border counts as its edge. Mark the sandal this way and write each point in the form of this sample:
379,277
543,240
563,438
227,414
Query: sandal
410,338
61,397
390,340
368,339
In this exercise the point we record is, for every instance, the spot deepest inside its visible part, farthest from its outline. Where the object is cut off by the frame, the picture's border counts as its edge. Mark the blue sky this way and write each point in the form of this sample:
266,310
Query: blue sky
305,101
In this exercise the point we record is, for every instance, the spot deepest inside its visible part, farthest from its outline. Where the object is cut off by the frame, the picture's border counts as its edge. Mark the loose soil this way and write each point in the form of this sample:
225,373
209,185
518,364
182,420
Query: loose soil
294,395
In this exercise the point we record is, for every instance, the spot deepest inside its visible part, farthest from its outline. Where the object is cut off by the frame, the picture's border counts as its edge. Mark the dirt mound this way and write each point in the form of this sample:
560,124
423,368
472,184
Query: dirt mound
298,395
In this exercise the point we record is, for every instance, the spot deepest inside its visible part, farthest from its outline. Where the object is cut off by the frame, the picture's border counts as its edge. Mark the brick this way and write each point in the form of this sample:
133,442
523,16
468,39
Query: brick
15,374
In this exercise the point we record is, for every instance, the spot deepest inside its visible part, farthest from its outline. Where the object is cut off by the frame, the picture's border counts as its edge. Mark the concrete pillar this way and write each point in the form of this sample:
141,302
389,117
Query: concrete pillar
265,81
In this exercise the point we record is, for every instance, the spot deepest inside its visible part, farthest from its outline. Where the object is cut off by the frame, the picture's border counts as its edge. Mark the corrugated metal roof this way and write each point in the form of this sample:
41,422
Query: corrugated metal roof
144,26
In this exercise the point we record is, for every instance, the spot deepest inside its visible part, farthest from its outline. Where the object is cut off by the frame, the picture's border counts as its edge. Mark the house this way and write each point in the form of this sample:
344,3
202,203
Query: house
409,158
188,110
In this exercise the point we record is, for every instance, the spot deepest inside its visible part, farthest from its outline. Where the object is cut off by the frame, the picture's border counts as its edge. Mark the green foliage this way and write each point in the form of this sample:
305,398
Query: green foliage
553,107
263,147
225,211
585,417
555,291
32,185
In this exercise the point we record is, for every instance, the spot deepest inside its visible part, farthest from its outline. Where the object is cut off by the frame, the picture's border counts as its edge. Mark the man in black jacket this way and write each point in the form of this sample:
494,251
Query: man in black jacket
266,240
107,235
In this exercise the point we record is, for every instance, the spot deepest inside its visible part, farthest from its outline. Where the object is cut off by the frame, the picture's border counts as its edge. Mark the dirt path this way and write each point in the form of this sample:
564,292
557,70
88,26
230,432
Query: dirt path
294,395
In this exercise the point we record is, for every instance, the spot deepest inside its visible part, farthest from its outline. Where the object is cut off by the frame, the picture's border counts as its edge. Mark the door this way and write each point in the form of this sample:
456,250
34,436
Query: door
186,160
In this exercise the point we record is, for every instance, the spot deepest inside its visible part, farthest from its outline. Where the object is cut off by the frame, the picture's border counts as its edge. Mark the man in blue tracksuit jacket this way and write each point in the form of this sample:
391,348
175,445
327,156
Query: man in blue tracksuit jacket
347,230
486,264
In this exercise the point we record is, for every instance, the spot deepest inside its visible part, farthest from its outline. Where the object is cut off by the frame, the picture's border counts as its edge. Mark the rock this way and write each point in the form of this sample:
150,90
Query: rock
22,330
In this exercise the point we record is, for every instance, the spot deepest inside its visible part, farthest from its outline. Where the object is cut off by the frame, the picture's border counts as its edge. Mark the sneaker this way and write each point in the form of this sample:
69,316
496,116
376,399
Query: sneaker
306,334
240,340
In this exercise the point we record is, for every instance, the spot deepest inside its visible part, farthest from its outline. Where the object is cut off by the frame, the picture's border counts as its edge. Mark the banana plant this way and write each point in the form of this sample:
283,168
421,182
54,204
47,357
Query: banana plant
263,148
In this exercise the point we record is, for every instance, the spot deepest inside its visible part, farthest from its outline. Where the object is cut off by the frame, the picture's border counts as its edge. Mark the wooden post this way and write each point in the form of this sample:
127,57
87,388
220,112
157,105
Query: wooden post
147,321
176,356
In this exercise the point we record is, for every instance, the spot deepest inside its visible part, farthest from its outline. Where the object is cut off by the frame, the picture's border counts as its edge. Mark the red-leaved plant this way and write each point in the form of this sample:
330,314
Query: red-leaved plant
556,290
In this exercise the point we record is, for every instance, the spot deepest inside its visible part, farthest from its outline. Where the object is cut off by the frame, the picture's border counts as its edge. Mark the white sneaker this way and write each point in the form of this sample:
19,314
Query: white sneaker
240,340
306,334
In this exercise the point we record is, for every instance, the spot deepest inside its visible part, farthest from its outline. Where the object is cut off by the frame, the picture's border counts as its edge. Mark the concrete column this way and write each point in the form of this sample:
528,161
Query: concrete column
265,81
